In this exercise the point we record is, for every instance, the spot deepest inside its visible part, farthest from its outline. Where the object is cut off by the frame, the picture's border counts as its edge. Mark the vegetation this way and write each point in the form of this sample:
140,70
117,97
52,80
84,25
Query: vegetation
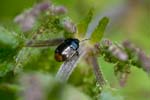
115,68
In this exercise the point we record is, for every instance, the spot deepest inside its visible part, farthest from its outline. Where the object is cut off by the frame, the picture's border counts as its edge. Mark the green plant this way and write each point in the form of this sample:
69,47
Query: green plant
46,25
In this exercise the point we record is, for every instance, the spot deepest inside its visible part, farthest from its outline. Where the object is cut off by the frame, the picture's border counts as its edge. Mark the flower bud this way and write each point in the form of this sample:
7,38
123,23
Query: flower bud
58,10
106,43
69,26
117,52
145,61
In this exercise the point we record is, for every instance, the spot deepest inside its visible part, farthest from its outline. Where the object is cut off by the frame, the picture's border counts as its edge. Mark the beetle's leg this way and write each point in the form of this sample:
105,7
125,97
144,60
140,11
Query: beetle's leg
77,53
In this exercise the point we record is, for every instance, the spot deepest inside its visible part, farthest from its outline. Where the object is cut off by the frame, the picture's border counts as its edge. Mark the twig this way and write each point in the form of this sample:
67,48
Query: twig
44,43
97,71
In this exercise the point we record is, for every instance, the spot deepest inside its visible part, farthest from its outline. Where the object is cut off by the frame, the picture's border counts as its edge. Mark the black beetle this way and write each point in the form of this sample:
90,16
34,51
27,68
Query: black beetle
66,49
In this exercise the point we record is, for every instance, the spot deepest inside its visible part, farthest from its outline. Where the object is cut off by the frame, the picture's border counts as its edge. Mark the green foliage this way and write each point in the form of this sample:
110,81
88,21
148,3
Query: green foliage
50,24
7,38
6,94
110,94
15,58
7,53
99,31
10,44
5,67
83,25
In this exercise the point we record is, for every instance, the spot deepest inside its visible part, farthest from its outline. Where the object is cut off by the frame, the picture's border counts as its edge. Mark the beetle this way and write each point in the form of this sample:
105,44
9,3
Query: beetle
67,49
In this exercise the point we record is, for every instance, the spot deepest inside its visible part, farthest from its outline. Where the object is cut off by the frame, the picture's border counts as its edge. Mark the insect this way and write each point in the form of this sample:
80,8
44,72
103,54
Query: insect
66,49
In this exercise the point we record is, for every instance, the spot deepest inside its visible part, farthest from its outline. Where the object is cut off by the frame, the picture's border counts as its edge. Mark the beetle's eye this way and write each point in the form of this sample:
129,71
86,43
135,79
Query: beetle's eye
76,40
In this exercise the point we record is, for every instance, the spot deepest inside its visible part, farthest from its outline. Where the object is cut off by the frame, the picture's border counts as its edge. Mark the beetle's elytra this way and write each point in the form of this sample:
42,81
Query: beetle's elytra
66,49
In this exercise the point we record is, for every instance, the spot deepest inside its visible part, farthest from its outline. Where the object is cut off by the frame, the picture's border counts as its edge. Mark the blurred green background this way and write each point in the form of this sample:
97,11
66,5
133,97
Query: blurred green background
129,19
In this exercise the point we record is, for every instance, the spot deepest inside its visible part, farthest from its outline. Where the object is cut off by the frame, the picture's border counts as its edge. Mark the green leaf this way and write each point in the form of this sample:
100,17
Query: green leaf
99,31
5,68
110,94
9,45
83,25
7,38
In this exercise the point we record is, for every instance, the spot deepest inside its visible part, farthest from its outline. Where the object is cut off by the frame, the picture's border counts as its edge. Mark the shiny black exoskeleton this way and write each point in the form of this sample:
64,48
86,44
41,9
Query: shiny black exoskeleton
66,49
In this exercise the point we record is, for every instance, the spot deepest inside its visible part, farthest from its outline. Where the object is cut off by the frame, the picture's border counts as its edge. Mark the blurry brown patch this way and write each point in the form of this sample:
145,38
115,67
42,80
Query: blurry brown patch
58,57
